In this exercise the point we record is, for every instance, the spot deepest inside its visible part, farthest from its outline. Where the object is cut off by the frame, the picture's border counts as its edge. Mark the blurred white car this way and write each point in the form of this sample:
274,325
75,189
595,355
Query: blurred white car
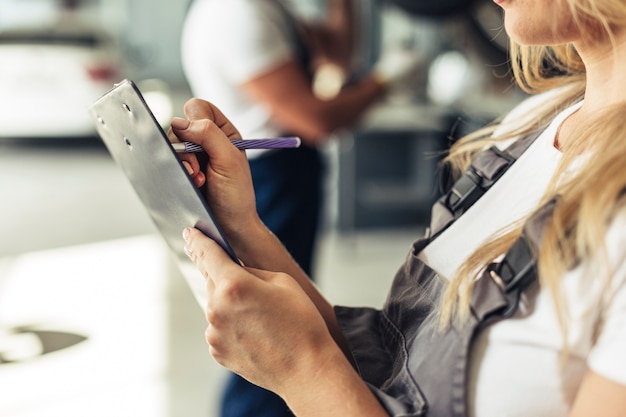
48,77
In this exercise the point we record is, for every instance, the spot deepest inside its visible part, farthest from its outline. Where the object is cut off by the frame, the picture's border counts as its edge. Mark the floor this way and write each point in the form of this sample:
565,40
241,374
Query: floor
95,319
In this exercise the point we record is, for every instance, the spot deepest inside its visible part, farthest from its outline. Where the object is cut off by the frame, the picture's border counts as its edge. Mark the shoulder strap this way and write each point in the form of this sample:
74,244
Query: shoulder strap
300,43
487,168
506,280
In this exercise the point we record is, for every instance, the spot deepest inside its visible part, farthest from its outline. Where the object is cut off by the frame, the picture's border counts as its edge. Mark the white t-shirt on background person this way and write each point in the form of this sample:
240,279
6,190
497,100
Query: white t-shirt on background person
260,38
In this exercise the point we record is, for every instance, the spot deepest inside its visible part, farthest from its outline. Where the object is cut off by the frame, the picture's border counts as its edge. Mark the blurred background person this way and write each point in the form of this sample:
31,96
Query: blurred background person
259,62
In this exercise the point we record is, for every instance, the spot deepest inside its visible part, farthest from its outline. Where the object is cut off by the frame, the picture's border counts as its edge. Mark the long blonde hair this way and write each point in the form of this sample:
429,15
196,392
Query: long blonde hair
589,198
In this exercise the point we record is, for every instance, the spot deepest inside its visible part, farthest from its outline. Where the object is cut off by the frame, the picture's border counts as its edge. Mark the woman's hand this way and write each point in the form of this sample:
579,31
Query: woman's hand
262,325
226,178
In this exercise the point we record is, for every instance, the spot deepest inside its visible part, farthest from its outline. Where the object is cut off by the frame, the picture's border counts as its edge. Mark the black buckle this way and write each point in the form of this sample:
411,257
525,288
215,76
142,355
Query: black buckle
465,192
514,273
504,155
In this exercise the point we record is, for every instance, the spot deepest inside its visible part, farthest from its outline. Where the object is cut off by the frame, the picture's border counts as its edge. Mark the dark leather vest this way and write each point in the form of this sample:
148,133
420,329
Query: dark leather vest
414,368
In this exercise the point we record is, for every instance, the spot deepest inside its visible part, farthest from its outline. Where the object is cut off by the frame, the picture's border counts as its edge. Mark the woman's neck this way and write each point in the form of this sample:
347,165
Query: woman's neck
605,64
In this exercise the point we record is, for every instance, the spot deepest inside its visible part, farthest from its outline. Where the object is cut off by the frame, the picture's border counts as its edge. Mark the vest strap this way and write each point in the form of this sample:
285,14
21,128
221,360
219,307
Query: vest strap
486,168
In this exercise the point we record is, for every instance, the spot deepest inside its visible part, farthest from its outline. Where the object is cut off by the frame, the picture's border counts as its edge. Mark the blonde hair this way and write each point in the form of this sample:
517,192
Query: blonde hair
589,198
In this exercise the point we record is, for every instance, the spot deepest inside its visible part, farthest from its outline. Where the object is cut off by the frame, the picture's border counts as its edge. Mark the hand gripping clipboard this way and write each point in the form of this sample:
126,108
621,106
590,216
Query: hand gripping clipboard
141,148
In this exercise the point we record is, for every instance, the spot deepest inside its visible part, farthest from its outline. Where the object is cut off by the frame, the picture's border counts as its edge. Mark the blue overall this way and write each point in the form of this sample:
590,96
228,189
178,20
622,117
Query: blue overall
412,367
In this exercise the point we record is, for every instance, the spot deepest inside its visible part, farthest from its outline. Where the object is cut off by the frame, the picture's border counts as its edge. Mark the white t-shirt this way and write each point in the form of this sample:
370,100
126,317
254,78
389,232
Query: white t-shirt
515,364
226,43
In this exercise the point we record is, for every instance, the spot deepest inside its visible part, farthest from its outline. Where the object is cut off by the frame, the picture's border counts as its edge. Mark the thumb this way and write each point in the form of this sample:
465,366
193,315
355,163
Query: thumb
198,109
205,133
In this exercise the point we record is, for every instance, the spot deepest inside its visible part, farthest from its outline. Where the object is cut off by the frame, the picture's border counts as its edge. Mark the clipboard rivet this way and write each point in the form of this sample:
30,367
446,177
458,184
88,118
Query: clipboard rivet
125,106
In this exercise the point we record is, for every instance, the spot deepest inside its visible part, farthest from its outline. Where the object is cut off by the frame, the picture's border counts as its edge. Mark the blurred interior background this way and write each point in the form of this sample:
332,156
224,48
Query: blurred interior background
94,317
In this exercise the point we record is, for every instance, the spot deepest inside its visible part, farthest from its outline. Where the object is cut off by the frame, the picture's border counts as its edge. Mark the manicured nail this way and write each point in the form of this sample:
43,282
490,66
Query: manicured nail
188,167
186,233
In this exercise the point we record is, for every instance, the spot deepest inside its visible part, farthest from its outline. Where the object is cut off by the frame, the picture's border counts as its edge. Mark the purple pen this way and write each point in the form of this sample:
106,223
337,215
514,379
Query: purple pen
270,143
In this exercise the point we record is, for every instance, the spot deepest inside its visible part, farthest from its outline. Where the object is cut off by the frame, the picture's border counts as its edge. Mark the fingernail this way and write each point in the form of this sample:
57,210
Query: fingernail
186,233
187,250
188,167
180,123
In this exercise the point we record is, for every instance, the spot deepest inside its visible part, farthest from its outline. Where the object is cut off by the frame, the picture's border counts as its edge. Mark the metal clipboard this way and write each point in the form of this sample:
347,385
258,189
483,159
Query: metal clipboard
141,148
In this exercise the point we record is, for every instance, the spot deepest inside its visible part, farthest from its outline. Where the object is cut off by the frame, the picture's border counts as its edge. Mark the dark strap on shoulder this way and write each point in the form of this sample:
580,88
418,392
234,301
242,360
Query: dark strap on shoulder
486,168
516,271
302,49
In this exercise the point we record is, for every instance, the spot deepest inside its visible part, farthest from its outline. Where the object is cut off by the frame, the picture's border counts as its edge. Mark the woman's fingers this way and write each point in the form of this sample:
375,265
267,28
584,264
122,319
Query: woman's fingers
189,160
207,134
207,255
206,126
223,171
198,109
259,322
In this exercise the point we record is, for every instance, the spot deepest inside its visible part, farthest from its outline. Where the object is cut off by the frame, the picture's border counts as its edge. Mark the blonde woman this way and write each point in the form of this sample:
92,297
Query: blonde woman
514,304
